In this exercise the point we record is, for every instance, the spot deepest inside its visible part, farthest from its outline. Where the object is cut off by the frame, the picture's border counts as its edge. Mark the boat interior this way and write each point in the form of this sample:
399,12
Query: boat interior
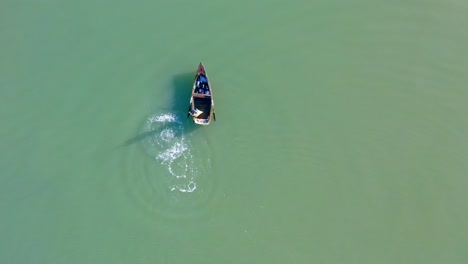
202,97
202,87
204,105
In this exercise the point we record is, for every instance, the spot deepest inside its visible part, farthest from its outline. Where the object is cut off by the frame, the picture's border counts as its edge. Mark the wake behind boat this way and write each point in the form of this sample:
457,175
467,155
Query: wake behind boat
201,102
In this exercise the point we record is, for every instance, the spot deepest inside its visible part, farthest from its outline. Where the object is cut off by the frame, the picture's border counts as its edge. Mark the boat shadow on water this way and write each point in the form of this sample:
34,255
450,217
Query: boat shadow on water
181,89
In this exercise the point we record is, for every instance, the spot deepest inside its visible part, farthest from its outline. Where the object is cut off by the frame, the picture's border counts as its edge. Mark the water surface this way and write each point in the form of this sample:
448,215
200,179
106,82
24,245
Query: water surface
340,133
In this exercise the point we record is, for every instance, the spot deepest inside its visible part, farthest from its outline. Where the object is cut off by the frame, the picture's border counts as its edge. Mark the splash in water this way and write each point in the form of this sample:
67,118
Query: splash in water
169,145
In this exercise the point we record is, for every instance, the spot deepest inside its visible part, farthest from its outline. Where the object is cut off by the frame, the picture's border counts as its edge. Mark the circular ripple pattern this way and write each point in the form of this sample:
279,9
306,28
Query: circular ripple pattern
175,181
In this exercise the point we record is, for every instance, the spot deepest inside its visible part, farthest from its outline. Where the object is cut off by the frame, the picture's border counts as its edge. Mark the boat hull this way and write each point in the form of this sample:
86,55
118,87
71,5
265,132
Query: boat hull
201,102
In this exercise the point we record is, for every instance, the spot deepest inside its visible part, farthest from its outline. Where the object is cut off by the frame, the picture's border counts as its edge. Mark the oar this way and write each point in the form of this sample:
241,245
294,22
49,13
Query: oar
188,111
214,115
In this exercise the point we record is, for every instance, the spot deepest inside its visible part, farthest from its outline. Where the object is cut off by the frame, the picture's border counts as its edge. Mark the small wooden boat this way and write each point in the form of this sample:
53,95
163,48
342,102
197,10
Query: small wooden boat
201,102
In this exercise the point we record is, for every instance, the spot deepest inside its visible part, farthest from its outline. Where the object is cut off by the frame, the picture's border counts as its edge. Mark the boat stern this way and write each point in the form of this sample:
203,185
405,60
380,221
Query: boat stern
203,122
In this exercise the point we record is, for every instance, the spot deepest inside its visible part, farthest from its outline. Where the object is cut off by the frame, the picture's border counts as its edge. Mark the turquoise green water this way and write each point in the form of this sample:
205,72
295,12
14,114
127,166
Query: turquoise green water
341,133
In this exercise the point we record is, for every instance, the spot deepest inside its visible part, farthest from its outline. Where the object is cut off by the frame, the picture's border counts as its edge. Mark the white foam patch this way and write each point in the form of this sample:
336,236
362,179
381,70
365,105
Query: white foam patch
163,118
191,186
172,153
172,149
167,134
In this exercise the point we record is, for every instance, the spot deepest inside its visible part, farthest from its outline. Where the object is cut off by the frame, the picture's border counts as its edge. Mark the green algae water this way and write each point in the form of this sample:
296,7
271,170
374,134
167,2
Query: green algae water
341,132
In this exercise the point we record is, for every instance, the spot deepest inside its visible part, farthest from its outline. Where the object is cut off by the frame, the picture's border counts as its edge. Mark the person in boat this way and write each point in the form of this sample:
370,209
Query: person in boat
195,112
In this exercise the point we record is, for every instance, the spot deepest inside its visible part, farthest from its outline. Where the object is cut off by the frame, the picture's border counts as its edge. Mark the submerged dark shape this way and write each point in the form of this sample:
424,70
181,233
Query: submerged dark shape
201,102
